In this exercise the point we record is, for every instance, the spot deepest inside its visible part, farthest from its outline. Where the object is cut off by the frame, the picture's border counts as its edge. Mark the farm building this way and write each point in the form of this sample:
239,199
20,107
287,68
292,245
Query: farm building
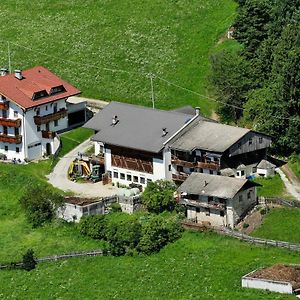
34,108
217,200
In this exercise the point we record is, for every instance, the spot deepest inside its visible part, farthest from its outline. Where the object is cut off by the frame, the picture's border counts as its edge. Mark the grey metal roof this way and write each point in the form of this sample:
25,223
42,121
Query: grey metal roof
138,127
265,164
210,136
213,185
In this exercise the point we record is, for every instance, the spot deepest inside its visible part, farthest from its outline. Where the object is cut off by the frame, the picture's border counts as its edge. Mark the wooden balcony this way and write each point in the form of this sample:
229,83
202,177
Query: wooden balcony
10,122
208,165
39,120
11,139
97,160
211,165
180,177
179,162
48,134
211,204
4,105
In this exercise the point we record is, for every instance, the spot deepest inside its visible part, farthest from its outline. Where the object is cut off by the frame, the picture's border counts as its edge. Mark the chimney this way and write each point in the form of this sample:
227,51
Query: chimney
3,72
18,74
114,121
205,183
165,132
197,110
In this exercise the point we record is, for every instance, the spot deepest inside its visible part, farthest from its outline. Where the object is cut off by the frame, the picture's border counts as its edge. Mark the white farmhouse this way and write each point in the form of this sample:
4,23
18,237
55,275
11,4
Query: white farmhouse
33,108
217,200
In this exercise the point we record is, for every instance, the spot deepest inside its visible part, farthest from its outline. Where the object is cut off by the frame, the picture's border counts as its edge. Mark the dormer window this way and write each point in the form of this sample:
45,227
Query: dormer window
39,94
57,89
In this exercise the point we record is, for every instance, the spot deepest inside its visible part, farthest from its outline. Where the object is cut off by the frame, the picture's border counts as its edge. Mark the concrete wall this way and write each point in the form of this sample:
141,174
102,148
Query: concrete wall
269,285
265,172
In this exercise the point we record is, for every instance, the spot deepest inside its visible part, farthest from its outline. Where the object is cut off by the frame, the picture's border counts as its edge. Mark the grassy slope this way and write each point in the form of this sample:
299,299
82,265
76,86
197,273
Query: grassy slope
281,224
294,164
170,38
271,187
198,266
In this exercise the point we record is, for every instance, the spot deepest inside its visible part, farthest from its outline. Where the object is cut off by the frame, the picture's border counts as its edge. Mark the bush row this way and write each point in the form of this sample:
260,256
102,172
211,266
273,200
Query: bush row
130,234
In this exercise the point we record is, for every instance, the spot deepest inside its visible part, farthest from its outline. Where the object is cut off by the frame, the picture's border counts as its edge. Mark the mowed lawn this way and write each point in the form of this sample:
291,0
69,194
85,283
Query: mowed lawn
281,224
85,42
271,187
198,266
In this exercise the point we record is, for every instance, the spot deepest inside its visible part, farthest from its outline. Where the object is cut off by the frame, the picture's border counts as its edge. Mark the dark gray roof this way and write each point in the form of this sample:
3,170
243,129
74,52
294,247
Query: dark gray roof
210,136
214,185
138,127
189,110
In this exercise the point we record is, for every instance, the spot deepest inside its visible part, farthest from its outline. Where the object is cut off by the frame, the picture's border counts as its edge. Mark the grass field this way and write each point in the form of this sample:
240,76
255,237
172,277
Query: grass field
172,39
294,164
198,266
281,224
271,187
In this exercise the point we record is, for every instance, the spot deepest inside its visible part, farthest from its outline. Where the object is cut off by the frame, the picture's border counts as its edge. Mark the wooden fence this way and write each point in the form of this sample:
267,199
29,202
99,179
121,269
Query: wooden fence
241,236
279,201
19,265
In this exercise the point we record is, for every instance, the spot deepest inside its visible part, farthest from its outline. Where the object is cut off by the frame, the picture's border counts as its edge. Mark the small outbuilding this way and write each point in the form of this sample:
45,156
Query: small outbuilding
265,168
217,200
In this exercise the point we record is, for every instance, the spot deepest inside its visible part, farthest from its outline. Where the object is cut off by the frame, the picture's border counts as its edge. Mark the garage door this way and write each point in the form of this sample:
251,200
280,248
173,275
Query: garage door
34,151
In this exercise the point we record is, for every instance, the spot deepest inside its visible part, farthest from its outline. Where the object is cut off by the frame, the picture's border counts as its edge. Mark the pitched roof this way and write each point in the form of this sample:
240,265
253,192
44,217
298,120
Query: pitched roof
37,79
137,128
265,164
214,185
210,136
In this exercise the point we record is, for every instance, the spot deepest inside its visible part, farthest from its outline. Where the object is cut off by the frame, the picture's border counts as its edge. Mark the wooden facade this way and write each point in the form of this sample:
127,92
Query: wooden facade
132,159
39,120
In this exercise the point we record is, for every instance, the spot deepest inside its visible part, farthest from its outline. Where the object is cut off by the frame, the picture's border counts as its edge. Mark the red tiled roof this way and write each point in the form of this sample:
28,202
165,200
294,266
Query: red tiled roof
34,80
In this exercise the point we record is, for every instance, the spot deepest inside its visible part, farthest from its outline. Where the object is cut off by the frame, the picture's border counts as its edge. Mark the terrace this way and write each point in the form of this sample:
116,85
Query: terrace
10,122
39,120
17,139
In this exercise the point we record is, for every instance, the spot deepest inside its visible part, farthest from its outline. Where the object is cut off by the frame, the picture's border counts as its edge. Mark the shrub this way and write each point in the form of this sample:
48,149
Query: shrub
115,207
29,261
93,226
40,205
159,196
245,225
263,211
158,232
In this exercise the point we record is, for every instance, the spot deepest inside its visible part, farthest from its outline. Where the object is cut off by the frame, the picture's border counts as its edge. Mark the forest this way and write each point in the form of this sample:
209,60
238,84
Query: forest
258,85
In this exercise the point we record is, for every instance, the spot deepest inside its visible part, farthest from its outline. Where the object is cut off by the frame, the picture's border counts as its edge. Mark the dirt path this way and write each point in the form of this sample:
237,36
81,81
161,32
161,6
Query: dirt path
59,177
291,176
291,188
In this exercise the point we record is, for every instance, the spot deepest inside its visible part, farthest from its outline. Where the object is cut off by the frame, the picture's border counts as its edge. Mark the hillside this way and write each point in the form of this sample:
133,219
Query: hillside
78,40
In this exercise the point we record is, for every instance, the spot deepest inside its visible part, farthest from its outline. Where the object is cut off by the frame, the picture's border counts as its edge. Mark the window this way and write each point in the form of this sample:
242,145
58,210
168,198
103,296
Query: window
17,131
122,176
135,179
101,149
39,94
194,197
260,139
46,107
38,111
240,198
4,129
170,167
15,114
222,213
242,173
38,128
249,195
4,113
17,149
210,199
129,177
197,209
211,172
192,170
250,142
207,211
201,170
109,174
142,180
56,123
57,89
55,107
116,174
5,148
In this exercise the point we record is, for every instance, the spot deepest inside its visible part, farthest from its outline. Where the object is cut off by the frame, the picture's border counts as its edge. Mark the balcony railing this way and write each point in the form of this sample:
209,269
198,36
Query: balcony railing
180,177
188,164
211,204
48,134
39,120
10,122
11,139
4,105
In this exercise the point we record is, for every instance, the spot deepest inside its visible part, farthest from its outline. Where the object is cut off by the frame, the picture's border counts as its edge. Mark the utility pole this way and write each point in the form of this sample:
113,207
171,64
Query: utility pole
152,89
9,61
